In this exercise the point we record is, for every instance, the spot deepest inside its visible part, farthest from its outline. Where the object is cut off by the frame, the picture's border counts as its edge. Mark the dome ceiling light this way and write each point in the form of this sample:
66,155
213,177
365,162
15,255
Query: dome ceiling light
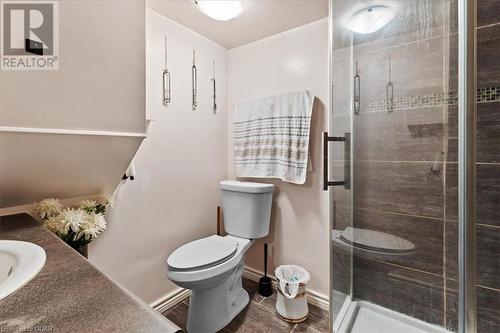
220,10
370,19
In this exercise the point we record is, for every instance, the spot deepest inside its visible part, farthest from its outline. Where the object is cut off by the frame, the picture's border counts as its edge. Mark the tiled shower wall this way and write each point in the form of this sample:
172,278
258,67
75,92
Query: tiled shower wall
488,167
405,165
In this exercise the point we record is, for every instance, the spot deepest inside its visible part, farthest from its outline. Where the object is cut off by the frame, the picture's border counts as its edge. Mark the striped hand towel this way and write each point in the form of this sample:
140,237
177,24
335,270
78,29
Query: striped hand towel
271,137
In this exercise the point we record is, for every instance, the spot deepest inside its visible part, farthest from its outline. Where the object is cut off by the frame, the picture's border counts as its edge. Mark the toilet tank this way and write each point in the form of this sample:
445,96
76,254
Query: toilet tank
246,208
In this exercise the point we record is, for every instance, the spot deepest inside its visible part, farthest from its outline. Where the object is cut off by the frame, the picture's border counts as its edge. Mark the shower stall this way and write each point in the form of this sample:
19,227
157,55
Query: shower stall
412,164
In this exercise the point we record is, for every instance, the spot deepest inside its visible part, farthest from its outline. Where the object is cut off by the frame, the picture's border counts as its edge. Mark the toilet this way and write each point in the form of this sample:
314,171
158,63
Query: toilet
212,267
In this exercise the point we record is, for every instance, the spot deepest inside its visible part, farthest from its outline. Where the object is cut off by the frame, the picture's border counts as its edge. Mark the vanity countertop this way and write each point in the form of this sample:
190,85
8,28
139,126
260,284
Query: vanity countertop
69,294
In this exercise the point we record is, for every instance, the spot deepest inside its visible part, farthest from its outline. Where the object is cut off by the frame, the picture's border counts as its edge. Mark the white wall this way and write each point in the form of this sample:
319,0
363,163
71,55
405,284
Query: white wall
100,81
290,61
174,197
65,133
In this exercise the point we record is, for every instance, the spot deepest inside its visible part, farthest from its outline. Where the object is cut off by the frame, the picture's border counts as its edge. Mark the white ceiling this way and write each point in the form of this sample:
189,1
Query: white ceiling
260,18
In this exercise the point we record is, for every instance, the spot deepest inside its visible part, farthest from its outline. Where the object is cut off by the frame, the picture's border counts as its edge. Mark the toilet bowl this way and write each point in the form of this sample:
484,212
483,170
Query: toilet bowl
217,295
212,267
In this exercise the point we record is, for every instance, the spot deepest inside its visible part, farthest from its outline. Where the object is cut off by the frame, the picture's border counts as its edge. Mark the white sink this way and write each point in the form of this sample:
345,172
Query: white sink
19,263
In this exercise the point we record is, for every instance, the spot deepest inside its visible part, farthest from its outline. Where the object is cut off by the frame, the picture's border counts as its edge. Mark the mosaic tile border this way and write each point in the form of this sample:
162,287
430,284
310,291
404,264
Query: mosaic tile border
487,94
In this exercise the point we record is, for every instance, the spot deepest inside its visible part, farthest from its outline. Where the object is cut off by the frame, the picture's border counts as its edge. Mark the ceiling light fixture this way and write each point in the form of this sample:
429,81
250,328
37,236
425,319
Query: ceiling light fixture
370,19
221,10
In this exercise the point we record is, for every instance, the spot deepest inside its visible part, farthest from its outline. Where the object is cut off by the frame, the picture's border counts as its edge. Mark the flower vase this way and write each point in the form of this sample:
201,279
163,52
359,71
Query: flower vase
83,250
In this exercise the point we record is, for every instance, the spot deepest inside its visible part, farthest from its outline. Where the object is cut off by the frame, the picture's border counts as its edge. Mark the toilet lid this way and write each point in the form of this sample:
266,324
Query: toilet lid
203,253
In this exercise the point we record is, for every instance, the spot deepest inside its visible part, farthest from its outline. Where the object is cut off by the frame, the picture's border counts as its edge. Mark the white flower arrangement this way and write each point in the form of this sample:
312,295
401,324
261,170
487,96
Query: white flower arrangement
77,225
47,208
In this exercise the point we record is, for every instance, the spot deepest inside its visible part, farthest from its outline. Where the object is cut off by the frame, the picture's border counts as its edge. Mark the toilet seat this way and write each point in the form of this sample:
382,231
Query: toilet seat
202,253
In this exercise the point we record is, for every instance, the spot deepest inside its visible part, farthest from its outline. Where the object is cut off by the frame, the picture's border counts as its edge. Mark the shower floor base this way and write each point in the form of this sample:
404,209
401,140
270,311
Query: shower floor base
365,317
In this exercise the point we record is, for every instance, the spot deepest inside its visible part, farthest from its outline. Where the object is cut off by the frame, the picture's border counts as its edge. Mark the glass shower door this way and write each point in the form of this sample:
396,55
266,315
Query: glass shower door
339,164
394,229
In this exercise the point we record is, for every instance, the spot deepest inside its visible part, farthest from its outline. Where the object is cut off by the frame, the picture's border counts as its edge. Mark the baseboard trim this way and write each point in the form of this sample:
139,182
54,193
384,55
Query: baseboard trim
170,300
173,298
313,297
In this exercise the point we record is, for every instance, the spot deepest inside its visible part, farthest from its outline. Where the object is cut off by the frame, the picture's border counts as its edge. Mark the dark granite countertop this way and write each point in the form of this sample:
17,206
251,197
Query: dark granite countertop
69,294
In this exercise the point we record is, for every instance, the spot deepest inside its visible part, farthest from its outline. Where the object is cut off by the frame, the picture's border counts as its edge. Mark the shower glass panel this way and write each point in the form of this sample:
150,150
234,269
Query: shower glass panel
343,81
394,253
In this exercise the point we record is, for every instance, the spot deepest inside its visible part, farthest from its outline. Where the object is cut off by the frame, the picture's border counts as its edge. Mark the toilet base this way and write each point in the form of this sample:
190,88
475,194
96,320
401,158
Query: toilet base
212,308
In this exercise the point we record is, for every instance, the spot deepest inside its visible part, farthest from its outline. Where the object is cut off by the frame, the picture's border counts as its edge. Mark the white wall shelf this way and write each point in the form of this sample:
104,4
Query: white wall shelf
34,130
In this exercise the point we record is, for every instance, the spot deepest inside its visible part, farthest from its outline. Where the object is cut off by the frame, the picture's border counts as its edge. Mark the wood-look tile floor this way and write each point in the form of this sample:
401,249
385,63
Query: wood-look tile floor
259,316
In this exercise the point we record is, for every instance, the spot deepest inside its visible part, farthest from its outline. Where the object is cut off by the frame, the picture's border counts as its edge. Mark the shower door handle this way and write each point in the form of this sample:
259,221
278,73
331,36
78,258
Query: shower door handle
346,139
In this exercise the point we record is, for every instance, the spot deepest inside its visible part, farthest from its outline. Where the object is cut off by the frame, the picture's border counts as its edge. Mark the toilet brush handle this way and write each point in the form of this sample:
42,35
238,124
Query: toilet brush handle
265,259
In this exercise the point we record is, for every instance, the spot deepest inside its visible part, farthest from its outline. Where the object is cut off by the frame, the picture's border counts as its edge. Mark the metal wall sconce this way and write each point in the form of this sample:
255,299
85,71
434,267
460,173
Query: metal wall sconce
214,106
194,81
166,80
357,91
389,90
